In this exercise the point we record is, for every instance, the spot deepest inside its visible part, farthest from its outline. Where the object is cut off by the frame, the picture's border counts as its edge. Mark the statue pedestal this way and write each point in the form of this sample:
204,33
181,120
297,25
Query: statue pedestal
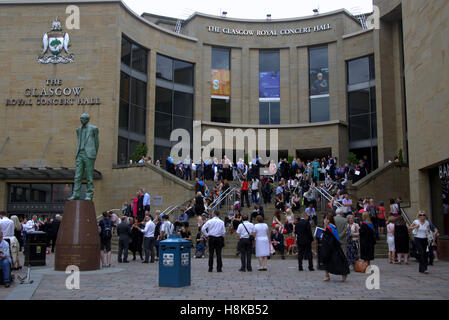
78,242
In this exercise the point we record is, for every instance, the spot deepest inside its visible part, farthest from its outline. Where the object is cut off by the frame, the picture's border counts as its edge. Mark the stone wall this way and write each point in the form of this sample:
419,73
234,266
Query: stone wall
426,51
389,181
126,181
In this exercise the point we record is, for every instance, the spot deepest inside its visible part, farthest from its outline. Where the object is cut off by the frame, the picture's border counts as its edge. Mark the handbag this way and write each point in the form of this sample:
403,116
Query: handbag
360,266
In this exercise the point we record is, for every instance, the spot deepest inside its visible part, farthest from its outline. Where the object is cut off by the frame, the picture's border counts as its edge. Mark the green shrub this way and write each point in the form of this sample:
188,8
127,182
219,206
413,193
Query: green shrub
352,158
141,150
400,156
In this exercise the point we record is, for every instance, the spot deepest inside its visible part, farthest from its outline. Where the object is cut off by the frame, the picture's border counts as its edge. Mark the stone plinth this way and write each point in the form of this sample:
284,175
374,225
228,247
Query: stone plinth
78,242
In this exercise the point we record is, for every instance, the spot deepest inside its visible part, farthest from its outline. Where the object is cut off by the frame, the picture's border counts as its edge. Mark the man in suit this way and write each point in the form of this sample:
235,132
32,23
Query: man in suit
86,153
304,240
124,233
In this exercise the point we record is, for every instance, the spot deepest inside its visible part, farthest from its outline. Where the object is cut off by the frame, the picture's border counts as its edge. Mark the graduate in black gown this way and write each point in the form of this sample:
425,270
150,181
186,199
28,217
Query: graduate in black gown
136,238
332,255
367,238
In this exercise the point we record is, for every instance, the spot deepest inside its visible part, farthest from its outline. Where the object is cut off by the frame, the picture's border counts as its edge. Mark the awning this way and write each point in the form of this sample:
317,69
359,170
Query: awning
45,173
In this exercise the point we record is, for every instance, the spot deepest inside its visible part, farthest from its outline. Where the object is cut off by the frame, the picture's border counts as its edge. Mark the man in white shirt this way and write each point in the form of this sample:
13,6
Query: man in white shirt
245,230
215,230
148,239
166,228
146,201
32,225
6,225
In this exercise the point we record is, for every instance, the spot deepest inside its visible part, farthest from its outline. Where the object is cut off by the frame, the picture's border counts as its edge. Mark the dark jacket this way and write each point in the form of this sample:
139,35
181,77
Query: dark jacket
367,242
124,231
55,227
332,255
279,237
303,232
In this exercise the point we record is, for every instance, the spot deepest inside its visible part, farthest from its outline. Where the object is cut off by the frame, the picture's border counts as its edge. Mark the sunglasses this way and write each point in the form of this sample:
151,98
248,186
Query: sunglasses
422,215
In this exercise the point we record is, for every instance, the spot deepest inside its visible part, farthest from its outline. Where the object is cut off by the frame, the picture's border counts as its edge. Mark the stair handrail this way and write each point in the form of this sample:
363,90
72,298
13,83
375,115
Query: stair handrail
173,207
219,199
328,197
225,195
406,218
168,208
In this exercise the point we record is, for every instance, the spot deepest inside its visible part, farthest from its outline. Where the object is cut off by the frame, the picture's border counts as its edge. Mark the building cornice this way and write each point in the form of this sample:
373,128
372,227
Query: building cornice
275,126
242,20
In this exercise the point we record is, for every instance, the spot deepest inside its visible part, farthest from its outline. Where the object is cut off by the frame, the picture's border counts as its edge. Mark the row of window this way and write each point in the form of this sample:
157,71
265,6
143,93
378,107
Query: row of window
269,85
41,192
175,90
133,99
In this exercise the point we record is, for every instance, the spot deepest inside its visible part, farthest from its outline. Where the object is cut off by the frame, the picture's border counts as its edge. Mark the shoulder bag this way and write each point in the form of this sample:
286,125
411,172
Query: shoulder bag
251,237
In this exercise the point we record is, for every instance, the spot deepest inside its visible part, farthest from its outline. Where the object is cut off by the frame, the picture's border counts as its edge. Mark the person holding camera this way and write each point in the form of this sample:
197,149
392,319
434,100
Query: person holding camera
246,233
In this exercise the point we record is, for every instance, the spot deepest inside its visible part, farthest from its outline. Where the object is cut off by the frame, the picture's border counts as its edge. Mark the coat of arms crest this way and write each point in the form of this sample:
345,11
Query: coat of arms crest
55,45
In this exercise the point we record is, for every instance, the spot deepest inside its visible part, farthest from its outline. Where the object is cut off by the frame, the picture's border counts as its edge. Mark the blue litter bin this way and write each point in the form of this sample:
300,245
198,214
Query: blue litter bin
174,262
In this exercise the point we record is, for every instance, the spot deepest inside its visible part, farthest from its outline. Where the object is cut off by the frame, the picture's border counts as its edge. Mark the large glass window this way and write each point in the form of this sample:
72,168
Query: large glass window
319,84
183,72
221,85
39,192
269,87
220,110
362,108
174,102
269,112
164,68
133,99
126,52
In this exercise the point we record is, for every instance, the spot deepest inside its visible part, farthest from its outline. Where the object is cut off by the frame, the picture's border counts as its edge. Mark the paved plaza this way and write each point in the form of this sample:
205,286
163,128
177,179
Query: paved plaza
282,281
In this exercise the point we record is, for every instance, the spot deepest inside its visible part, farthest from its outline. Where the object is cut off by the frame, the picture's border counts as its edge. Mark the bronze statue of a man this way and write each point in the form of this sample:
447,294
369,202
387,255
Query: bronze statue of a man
86,153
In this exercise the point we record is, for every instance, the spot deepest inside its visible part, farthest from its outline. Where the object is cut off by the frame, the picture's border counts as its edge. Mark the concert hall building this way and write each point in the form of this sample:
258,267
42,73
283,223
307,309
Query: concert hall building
331,83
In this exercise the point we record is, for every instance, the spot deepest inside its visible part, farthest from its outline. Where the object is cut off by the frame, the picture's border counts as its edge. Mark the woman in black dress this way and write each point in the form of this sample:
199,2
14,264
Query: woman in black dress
367,238
401,240
199,204
136,238
332,255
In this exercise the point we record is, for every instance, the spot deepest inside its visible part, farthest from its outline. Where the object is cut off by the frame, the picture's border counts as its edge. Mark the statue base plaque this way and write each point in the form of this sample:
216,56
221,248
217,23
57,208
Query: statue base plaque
78,242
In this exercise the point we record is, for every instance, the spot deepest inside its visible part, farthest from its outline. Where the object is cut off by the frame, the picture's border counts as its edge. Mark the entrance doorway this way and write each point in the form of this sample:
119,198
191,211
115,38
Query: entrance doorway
311,154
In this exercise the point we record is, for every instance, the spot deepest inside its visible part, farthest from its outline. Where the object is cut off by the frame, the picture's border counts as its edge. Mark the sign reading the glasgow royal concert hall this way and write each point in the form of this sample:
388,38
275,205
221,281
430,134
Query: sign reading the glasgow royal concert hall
53,93
273,32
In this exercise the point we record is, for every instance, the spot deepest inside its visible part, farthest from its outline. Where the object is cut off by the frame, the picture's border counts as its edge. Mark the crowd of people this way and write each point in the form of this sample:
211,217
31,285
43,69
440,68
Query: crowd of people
216,170
347,234
354,227
13,232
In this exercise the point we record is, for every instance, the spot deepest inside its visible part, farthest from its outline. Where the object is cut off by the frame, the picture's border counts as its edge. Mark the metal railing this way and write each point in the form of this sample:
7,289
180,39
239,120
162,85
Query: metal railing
406,218
325,197
227,198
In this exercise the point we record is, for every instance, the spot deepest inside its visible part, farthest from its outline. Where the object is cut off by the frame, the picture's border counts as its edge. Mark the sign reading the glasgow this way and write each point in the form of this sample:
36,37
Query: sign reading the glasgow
260,33
53,94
